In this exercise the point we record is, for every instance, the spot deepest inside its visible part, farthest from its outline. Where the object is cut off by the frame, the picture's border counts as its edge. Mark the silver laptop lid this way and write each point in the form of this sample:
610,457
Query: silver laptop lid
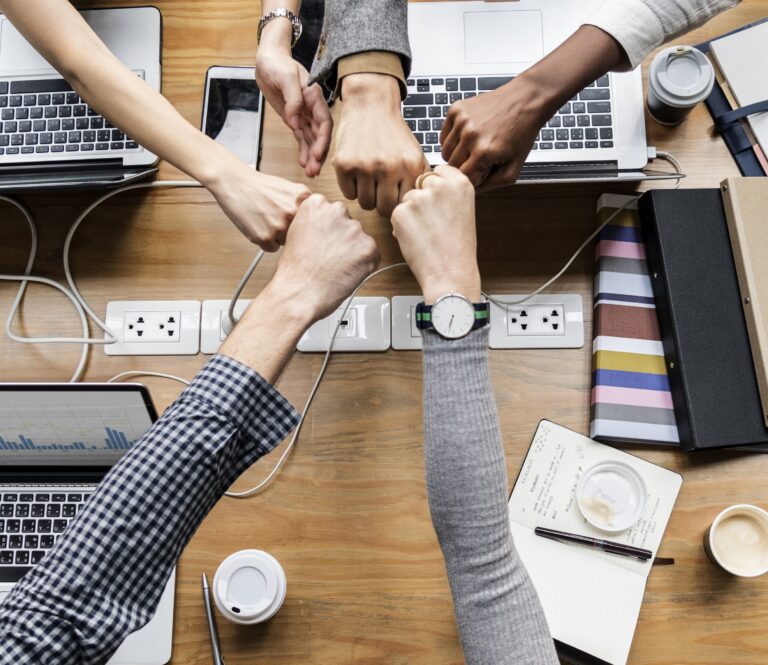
503,39
134,35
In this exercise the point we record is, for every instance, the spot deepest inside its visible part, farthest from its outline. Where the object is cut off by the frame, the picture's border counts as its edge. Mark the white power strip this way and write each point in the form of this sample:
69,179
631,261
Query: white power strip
212,332
153,328
405,335
546,321
364,327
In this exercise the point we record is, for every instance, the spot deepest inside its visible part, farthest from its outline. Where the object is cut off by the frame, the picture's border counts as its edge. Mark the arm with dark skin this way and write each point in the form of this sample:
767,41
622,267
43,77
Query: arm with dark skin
489,136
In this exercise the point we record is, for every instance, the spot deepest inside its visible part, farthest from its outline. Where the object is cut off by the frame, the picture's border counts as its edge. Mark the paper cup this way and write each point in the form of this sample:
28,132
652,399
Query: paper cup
737,541
249,587
679,78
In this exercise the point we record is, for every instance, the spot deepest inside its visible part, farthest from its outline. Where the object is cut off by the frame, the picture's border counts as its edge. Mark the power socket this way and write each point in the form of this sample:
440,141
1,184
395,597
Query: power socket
212,332
153,328
365,327
405,335
536,320
546,321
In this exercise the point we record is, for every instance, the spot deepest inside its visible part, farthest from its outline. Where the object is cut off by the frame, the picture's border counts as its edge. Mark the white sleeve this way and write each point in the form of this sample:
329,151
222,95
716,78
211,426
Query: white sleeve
642,25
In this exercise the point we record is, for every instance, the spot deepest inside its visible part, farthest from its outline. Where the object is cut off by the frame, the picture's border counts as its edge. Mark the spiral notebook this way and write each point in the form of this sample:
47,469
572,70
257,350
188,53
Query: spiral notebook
591,599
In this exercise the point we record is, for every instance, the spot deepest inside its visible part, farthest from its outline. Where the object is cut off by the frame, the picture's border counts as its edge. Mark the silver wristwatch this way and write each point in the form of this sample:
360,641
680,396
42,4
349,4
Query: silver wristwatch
281,13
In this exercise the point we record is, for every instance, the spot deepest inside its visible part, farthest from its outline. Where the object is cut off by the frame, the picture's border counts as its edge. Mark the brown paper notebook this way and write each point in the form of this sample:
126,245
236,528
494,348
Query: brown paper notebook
746,208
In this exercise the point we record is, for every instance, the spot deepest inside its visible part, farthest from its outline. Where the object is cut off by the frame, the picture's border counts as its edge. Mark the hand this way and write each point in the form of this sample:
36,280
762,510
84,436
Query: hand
327,254
435,227
261,206
496,130
493,130
302,108
377,158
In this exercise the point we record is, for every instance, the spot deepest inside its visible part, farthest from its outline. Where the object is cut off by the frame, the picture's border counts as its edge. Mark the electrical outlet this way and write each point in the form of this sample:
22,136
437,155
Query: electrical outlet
405,335
546,321
535,320
212,331
365,327
153,328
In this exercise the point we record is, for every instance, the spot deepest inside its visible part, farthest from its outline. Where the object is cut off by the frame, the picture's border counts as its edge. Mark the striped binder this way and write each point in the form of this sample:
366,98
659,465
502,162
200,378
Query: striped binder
631,401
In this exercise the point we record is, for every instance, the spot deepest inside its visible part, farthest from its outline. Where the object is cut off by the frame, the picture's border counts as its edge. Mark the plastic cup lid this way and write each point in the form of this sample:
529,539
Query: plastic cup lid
611,496
249,586
681,76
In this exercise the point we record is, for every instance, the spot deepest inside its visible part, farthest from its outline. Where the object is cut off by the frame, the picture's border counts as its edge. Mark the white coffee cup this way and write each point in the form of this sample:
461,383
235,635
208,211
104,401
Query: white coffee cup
249,587
680,77
737,541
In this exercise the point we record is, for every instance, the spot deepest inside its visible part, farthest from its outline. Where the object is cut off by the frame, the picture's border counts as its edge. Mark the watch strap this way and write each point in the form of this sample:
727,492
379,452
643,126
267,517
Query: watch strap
424,315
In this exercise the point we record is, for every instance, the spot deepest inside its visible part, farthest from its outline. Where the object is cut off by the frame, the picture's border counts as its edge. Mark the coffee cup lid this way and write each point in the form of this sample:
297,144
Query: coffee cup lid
249,586
611,495
681,76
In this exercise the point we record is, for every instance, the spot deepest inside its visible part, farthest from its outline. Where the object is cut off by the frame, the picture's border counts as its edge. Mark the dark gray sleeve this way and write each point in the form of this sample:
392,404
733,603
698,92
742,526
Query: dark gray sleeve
356,26
499,615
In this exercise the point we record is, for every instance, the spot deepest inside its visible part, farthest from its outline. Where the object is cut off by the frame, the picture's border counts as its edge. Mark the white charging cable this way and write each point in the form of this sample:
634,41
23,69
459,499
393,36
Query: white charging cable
74,295
28,277
260,487
139,372
229,322
72,230
503,303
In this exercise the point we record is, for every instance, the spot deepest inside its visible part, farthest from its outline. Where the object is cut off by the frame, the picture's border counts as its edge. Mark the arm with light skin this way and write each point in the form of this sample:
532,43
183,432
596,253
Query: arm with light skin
284,82
261,206
327,254
377,158
493,133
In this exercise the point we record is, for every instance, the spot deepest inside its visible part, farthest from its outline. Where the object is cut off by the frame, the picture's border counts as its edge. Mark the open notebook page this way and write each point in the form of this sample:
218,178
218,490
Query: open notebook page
741,58
591,598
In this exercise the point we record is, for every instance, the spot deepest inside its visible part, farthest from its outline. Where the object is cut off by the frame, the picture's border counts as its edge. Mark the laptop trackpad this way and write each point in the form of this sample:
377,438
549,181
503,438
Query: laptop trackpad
503,37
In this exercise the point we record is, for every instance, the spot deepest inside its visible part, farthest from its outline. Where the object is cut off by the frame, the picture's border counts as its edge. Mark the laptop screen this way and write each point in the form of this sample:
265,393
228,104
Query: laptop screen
71,425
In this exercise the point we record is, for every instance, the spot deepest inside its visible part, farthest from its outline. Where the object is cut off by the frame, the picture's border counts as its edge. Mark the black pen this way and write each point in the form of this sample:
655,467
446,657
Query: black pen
599,543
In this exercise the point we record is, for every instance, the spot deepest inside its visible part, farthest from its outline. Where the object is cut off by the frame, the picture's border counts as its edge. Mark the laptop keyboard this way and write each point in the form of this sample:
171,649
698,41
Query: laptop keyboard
45,116
586,121
30,523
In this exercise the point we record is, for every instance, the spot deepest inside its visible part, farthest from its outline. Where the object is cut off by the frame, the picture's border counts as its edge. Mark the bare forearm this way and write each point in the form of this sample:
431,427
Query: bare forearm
69,44
266,336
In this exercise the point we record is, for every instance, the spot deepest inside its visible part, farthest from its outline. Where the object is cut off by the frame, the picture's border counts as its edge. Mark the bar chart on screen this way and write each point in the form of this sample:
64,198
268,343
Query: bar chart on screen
45,428
113,440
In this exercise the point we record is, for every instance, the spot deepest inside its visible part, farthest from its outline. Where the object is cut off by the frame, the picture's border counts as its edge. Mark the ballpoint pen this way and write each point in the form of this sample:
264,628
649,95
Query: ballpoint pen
215,647
606,545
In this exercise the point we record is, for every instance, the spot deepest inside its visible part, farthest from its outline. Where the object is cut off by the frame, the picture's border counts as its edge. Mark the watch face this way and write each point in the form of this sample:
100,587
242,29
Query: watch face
453,316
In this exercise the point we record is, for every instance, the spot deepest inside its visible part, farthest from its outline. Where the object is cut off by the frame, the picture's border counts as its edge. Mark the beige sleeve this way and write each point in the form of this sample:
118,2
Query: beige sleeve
371,62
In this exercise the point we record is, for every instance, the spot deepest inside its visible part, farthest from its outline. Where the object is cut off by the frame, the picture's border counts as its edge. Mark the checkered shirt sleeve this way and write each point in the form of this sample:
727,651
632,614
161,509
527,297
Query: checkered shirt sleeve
104,578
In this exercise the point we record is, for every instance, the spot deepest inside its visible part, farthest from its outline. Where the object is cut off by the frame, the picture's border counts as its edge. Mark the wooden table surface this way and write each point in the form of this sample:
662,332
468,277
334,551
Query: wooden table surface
348,516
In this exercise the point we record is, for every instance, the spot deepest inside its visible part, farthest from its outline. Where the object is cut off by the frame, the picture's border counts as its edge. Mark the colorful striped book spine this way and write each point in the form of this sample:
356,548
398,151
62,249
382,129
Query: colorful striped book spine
630,390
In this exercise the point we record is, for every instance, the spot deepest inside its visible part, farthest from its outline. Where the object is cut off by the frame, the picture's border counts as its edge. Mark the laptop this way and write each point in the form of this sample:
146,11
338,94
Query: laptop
52,139
57,441
462,49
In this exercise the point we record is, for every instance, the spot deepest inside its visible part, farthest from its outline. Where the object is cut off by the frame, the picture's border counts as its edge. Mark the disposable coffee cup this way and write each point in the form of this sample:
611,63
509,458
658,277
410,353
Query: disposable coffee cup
737,541
249,587
680,77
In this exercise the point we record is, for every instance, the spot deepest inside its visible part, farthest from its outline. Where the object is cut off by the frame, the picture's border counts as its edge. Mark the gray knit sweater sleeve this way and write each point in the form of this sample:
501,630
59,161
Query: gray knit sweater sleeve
500,619
356,26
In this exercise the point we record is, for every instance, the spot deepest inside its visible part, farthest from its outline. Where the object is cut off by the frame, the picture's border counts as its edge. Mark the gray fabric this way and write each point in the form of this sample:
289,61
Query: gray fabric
500,619
355,26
